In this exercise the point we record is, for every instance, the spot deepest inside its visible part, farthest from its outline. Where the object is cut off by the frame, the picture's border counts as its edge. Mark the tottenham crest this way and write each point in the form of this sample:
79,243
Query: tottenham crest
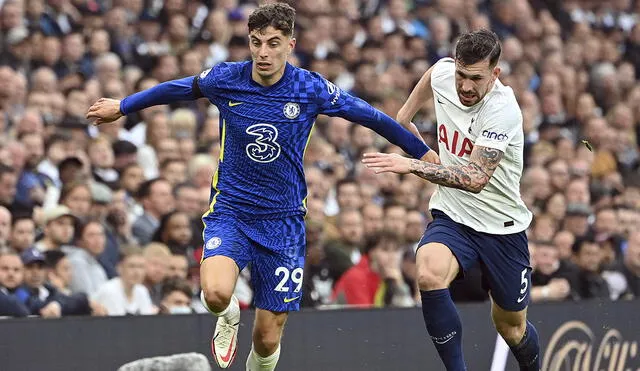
213,243
291,110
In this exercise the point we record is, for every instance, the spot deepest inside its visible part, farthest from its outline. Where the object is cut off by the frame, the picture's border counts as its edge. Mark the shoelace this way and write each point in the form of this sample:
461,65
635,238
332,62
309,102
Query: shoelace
226,333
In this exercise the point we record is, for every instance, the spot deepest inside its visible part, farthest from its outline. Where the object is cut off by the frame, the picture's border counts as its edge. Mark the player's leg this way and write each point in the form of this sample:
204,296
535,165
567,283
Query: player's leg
505,264
437,267
519,334
267,332
225,253
276,274
218,275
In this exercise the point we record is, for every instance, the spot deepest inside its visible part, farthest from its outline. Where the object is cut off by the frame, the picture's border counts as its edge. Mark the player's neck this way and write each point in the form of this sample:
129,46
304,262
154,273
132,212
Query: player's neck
267,81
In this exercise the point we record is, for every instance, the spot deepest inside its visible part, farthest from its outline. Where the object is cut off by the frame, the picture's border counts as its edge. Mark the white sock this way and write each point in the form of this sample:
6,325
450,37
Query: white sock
257,363
231,313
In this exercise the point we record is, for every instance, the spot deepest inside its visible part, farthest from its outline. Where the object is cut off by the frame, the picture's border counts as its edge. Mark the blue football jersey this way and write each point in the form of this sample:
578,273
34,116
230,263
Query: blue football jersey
264,131
263,135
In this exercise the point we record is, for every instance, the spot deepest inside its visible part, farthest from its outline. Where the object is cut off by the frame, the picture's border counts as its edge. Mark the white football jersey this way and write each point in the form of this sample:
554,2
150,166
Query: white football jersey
494,122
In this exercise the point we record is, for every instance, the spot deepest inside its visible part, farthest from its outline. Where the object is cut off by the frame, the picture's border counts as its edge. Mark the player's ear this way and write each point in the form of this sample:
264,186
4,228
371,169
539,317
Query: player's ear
292,44
496,72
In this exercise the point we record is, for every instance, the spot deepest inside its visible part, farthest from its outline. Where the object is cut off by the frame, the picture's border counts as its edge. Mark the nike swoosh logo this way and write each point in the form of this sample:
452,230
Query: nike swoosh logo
227,356
521,299
289,300
439,101
443,342
233,104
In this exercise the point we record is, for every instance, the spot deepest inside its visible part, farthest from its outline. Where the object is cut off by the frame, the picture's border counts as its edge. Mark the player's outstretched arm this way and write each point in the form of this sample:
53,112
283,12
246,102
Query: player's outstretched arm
108,110
359,111
472,177
420,94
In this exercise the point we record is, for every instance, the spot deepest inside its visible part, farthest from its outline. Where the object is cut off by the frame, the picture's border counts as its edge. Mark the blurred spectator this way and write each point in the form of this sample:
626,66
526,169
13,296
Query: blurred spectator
58,228
125,295
631,264
156,256
88,274
177,266
319,273
5,226
344,251
44,299
8,181
157,200
591,280
377,278
175,232
548,281
23,233
176,297
11,277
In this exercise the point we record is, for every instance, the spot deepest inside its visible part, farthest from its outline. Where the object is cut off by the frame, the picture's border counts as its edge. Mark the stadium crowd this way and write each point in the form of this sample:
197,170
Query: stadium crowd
106,220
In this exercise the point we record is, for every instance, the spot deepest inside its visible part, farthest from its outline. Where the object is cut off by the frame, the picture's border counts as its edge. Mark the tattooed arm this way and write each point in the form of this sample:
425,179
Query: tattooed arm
472,177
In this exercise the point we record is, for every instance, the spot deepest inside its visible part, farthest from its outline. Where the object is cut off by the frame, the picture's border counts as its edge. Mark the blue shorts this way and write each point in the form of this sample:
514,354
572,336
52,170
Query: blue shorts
504,259
274,247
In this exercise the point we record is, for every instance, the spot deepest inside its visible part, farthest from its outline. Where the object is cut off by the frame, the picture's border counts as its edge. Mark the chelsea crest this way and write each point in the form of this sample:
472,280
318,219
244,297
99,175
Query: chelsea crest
291,110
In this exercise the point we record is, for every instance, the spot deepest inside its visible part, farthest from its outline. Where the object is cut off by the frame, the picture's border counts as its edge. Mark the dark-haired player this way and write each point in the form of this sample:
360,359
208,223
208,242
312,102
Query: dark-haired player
478,213
267,109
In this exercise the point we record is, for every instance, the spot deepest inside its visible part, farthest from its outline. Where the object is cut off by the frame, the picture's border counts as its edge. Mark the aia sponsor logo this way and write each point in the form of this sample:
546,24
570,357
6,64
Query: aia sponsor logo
454,141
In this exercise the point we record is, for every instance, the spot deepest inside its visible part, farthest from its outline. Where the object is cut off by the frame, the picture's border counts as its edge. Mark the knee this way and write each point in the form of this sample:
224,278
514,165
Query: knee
512,333
429,279
216,297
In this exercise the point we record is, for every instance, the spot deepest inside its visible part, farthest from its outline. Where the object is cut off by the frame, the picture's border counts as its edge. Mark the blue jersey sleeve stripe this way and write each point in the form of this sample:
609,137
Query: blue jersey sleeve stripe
216,175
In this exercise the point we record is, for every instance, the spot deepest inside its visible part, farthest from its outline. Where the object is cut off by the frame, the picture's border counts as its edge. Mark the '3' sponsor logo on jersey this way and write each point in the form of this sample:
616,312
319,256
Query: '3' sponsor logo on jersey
265,148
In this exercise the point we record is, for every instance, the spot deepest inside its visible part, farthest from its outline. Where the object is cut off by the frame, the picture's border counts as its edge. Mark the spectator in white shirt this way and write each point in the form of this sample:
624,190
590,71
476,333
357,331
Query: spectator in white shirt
125,295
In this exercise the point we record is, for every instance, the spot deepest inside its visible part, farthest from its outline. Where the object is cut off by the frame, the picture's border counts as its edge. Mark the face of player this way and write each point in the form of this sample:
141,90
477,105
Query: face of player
474,81
270,49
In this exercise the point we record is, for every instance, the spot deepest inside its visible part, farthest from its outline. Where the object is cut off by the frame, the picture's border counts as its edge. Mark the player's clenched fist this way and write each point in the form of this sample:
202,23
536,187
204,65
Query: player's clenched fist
105,110
431,156
387,162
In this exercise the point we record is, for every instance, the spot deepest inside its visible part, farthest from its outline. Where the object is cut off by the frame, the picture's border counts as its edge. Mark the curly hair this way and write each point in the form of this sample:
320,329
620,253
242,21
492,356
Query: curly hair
280,16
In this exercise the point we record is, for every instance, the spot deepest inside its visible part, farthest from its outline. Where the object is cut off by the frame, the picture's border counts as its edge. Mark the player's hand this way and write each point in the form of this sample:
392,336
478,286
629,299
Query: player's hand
559,288
431,157
387,162
105,110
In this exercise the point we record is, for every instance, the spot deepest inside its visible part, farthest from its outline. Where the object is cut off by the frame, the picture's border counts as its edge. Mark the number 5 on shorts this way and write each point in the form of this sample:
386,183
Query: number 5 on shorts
296,277
524,283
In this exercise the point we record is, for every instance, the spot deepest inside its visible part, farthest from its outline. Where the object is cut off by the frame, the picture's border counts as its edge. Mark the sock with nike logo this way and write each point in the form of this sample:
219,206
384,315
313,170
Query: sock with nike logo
231,313
255,362
444,327
528,351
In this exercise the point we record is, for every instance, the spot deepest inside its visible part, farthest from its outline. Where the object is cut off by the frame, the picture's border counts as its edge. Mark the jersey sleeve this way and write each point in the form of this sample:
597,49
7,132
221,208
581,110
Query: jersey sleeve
332,101
206,83
499,126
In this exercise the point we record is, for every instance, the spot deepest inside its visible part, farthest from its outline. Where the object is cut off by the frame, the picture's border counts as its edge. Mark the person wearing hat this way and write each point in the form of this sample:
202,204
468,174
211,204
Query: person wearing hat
42,298
18,52
58,228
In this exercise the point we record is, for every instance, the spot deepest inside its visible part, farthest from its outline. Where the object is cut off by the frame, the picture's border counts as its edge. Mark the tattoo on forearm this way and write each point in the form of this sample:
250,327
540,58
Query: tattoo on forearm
471,177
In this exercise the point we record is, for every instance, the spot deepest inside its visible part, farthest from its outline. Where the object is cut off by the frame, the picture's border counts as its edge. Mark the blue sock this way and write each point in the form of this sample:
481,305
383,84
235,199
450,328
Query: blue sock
444,327
528,351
